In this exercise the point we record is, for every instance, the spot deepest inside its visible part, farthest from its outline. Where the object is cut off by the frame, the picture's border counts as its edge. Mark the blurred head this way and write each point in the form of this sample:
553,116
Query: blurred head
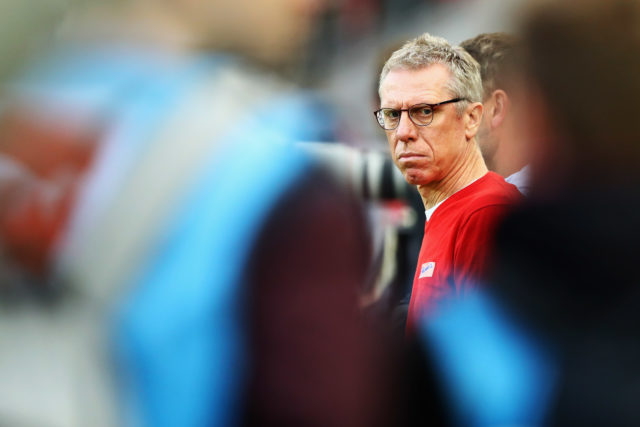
584,66
271,31
436,140
497,54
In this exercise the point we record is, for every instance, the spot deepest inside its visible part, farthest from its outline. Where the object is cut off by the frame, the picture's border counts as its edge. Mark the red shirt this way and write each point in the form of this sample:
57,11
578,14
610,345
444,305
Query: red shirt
457,242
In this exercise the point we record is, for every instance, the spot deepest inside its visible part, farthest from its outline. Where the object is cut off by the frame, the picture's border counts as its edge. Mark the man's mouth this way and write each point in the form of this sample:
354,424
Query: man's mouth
410,156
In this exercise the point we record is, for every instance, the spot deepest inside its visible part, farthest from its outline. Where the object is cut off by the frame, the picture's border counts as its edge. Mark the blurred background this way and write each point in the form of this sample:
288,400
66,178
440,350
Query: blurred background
348,43
58,352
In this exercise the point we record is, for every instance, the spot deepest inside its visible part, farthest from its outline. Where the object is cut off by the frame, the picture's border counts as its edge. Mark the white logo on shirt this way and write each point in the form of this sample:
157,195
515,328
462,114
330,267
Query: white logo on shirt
427,269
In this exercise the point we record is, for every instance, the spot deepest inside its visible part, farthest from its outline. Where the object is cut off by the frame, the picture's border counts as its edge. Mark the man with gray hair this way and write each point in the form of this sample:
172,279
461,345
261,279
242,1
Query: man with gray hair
502,146
434,146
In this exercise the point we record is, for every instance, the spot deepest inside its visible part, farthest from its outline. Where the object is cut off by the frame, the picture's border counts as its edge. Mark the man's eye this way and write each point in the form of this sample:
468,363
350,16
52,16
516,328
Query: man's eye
422,112
391,114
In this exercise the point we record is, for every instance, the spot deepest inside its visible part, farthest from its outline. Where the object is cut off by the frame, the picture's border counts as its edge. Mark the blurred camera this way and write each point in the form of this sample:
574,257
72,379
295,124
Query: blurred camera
369,174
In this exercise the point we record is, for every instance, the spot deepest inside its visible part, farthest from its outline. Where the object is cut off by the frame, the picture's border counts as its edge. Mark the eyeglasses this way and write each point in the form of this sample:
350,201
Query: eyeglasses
419,114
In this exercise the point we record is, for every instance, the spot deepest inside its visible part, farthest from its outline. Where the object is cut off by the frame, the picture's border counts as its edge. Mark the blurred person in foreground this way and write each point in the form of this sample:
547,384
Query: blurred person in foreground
430,98
497,54
199,270
556,341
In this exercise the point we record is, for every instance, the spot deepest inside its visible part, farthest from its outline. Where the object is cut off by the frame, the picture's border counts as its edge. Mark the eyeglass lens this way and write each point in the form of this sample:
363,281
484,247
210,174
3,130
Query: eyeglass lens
421,115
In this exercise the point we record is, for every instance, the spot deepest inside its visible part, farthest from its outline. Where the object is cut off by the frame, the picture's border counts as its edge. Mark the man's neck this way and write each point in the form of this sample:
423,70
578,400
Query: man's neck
470,170
510,155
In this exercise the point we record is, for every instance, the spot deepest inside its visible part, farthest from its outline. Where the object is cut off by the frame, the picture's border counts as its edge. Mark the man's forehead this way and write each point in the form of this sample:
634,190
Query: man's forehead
404,83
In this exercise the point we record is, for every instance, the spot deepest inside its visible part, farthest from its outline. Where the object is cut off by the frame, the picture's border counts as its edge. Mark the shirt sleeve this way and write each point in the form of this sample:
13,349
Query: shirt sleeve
474,245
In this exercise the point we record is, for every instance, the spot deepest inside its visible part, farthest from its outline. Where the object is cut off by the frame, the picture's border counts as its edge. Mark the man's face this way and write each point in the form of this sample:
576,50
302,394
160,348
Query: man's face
424,154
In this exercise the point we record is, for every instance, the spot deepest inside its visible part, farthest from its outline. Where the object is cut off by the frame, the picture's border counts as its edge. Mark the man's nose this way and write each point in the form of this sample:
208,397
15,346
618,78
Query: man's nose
406,129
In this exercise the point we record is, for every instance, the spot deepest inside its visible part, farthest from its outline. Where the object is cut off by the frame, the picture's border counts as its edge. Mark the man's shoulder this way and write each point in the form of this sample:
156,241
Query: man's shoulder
489,195
490,190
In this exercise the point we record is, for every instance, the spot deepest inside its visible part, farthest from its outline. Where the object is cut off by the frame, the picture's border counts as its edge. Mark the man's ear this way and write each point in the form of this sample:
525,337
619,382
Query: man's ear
473,119
500,107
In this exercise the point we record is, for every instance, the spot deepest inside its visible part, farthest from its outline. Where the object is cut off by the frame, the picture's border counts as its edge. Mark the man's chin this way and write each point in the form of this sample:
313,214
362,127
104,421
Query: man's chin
413,178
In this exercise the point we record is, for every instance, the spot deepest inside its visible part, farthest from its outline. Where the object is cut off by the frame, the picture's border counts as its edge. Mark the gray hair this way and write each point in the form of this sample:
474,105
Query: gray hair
427,50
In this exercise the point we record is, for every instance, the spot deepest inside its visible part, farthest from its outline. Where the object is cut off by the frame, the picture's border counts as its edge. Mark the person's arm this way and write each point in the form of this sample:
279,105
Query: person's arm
312,360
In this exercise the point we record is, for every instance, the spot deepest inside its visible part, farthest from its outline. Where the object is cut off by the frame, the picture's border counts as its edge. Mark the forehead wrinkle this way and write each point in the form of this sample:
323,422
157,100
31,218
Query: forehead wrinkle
410,98
403,88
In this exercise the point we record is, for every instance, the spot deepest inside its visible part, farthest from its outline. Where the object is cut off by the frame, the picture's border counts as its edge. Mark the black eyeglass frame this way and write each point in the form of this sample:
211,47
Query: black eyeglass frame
408,110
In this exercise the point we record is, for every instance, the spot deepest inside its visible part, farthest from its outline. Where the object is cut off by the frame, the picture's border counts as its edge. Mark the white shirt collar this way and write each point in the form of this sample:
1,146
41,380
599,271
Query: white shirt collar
430,211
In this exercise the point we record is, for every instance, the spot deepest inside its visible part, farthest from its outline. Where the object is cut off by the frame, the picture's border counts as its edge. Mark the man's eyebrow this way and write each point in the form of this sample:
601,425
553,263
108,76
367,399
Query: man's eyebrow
395,106
396,103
